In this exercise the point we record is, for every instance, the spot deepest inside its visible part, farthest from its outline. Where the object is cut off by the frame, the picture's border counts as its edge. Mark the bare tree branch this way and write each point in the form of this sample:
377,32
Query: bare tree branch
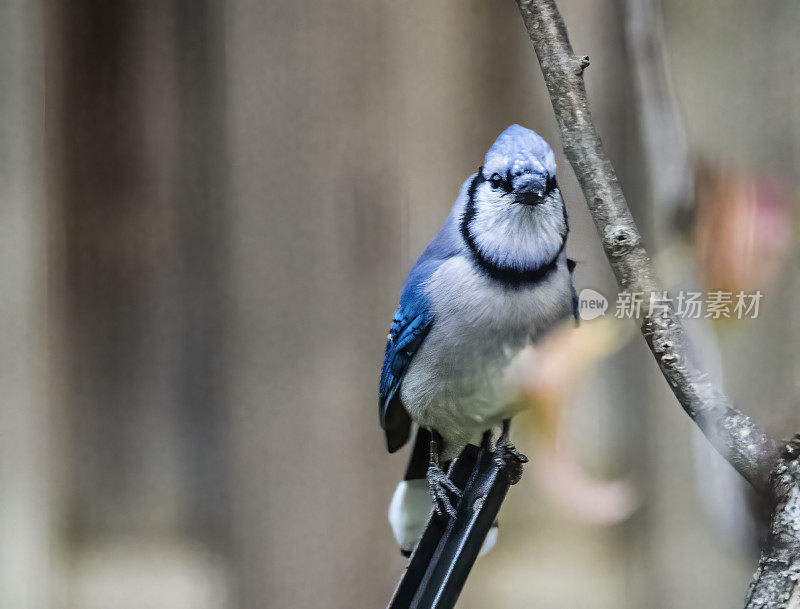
756,457
737,438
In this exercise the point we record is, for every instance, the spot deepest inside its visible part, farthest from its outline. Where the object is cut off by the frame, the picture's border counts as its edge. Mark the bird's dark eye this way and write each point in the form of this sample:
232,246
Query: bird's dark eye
496,181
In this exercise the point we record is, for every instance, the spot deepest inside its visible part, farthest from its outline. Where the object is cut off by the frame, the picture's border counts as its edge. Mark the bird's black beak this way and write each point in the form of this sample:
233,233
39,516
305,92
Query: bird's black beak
529,197
531,188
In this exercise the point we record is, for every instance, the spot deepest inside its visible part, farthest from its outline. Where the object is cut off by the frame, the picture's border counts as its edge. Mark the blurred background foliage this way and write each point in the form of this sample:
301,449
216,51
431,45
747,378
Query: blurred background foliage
207,210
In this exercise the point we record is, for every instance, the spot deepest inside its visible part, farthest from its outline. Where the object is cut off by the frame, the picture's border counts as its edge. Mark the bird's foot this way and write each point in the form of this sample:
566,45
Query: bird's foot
506,455
441,488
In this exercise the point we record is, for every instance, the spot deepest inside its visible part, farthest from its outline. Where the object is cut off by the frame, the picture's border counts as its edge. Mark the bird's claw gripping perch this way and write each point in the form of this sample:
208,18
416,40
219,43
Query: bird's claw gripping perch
513,460
507,455
441,487
439,482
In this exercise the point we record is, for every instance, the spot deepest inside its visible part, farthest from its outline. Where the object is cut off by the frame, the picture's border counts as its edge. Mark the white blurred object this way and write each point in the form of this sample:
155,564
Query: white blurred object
409,512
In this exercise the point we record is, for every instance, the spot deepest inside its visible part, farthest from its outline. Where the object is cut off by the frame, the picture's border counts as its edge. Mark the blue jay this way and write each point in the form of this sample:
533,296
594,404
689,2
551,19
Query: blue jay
493,280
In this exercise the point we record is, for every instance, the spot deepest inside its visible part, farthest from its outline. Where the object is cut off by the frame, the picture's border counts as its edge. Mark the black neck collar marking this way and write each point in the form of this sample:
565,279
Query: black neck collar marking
507,275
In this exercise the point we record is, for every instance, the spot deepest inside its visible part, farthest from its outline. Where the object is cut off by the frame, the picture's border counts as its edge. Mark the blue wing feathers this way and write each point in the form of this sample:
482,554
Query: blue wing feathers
409,329
410,325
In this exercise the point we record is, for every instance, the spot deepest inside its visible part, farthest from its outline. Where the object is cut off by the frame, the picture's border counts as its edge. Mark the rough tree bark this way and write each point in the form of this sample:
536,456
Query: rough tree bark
773,473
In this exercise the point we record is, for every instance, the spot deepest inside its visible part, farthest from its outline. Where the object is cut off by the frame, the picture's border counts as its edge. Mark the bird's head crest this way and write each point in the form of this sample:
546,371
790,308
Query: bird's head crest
518,150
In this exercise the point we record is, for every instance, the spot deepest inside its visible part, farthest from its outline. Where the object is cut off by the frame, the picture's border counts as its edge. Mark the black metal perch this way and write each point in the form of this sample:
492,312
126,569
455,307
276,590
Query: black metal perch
438,568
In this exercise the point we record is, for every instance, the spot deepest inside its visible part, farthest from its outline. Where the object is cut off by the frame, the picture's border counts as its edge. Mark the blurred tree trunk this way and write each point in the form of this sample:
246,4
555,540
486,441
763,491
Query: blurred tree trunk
139,275
25,431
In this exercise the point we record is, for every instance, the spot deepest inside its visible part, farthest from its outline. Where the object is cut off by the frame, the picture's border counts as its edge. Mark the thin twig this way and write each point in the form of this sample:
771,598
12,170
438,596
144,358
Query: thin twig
756,457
